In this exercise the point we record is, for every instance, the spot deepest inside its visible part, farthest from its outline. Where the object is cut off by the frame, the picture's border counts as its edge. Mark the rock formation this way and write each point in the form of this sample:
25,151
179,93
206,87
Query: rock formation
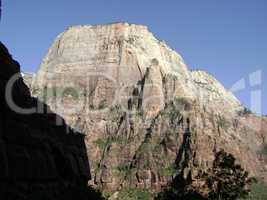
40,159
146,116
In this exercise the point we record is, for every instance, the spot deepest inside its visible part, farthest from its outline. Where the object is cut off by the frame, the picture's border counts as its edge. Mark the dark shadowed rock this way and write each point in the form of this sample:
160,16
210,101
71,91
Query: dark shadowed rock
39,159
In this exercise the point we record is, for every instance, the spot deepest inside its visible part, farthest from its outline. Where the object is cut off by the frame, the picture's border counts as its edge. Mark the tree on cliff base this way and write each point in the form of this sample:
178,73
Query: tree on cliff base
224,181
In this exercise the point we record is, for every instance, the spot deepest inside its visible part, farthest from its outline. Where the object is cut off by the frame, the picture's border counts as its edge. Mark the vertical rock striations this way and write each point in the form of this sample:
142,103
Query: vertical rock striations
146,117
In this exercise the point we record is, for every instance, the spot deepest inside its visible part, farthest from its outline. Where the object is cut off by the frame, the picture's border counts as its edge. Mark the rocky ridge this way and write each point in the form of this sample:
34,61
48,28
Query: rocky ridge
146,116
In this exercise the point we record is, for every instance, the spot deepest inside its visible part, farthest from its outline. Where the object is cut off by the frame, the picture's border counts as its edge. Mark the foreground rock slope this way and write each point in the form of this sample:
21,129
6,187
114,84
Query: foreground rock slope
38,157
146,116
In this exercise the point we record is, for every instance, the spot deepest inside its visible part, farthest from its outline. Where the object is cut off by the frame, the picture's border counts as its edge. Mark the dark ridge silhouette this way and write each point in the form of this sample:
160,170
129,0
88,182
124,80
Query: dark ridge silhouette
39,159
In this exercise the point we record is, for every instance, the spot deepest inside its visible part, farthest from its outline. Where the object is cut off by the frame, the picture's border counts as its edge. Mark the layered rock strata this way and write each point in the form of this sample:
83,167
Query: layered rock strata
146,116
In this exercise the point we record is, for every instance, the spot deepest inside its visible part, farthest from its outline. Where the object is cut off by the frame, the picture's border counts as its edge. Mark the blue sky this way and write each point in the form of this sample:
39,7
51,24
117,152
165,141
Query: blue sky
227,38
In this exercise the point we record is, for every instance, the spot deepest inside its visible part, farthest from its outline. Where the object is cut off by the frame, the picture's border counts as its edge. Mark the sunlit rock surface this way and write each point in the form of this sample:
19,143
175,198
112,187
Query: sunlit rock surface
145,115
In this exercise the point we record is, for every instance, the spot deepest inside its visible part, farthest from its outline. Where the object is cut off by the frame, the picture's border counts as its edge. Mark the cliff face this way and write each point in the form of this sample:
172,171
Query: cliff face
145,115
118,56
38,157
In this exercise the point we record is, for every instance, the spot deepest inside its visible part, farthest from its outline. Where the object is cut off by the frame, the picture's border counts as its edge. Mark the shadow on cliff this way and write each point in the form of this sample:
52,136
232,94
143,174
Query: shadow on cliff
224,180
178,188
41,156
185,152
